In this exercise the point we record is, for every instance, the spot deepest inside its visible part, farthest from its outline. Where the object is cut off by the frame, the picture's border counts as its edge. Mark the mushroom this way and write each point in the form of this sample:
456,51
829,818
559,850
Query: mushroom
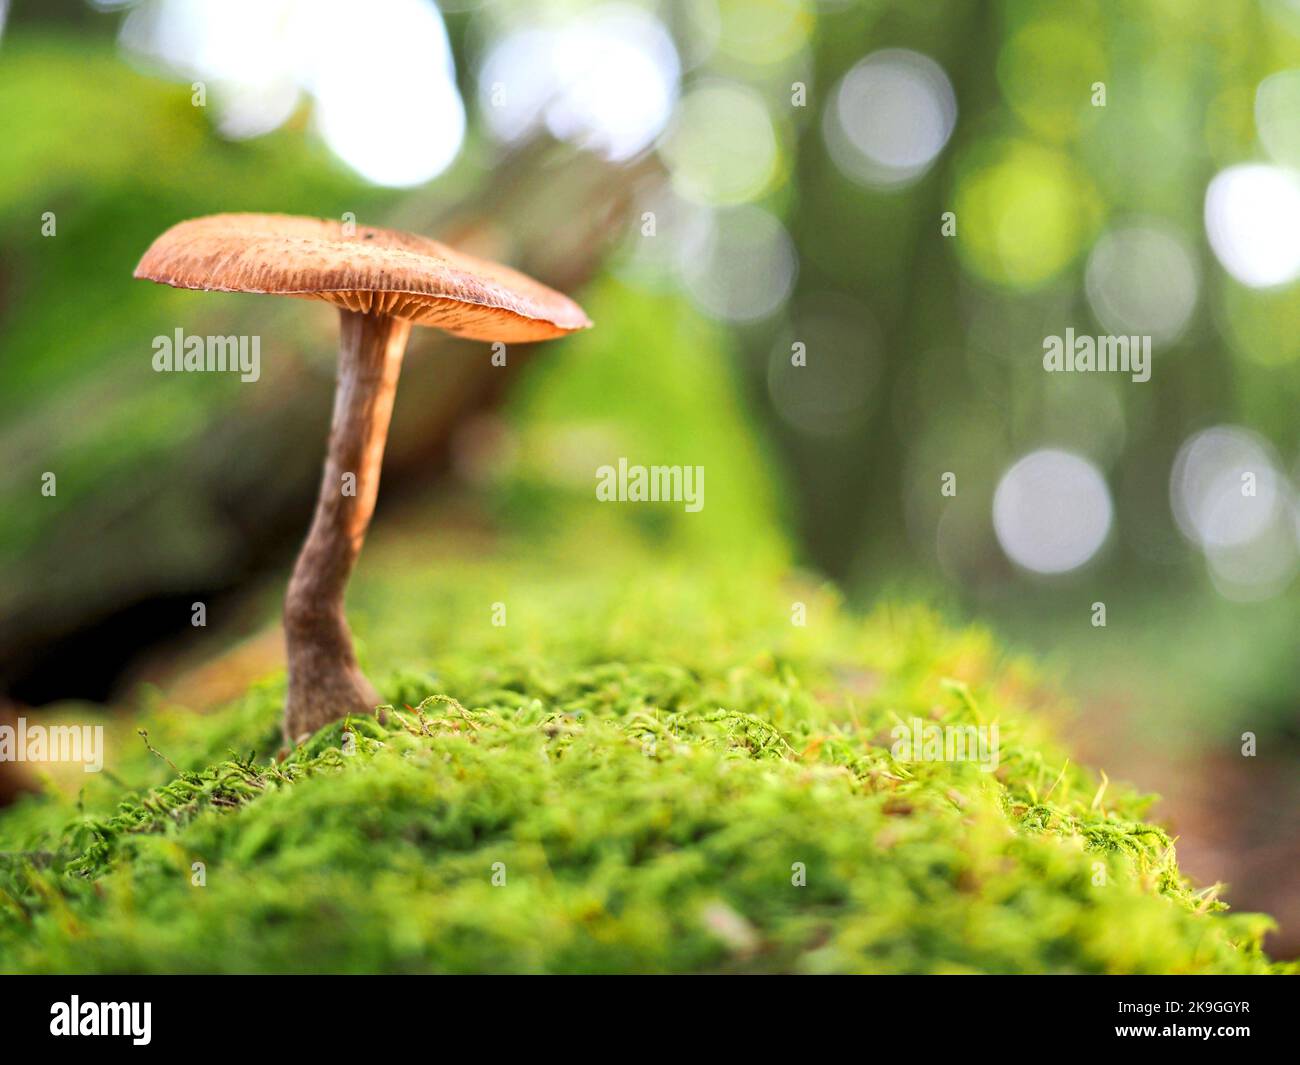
382,281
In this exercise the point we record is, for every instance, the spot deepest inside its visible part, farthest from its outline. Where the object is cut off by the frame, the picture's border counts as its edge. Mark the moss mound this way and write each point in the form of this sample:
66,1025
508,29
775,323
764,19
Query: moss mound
648,767
647,770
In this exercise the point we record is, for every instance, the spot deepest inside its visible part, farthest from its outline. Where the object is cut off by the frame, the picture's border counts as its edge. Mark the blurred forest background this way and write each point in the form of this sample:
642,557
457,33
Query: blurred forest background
904,197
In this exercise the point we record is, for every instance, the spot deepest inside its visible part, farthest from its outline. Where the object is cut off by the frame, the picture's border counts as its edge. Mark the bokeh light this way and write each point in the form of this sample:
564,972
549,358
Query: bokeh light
1252,219
889,118
606,81
660,221
1024,213
762,32
1258,569
1046,70
840,345
248,51
738,264
1277,103
1224,487
721,148
416,135
1142,281
381,75
1051,511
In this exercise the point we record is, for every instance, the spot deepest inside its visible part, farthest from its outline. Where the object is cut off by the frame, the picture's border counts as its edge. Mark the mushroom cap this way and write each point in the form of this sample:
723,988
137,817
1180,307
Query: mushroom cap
374,271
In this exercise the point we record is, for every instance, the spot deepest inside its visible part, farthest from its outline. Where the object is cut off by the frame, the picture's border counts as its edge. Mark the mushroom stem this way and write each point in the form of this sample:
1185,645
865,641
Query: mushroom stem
325,683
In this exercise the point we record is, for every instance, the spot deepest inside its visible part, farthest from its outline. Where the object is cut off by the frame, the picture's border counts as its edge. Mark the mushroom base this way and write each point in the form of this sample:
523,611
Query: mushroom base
325,683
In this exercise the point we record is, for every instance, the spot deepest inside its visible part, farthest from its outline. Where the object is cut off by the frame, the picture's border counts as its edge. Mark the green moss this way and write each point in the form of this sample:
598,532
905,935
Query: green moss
643,754
648,750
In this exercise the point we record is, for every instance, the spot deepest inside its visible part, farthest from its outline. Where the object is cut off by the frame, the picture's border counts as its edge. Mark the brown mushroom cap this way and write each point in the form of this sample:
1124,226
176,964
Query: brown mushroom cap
375,271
